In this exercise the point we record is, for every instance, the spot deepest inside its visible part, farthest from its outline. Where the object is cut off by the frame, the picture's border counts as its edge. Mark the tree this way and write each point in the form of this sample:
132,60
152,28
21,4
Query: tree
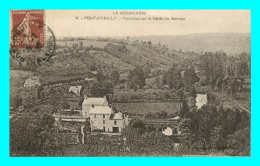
157,82
100,89
55,97
65,104
28,100
30,64
239,143
172,78
39,92
114,77
190,78
16,101
180,93
233,86
216,138
137,77
184,109
185,127
81,101
101,76
26,134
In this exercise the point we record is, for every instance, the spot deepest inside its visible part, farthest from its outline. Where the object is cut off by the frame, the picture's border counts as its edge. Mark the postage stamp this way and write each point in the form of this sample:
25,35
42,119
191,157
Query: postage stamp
30,38
27,29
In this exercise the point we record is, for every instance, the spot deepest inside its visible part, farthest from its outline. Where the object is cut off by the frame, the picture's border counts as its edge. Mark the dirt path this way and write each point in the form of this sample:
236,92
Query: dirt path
236,102
83,134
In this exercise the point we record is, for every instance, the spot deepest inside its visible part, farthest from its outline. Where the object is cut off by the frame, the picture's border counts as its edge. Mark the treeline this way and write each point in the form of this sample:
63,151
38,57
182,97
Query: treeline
214,129
35,135
150,95
64,81
29,64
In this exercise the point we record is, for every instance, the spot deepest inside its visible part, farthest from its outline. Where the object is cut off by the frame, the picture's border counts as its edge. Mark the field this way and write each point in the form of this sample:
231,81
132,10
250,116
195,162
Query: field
144,108
86,43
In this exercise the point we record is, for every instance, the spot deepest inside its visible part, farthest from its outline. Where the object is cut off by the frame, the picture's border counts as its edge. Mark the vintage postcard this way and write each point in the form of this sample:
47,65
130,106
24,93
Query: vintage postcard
130,83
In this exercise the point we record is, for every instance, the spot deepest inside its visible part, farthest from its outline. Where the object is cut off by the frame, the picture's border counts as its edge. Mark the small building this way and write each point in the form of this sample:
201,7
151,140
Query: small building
90,80
75,89
92,101
32,82
201,100
102,118
93,72
176,118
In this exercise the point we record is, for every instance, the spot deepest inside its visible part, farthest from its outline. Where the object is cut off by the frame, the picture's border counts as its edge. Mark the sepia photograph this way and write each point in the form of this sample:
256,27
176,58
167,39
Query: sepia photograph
130,83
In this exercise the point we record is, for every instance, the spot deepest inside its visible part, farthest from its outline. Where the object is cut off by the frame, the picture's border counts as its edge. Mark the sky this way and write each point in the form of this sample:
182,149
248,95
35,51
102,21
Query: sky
64,22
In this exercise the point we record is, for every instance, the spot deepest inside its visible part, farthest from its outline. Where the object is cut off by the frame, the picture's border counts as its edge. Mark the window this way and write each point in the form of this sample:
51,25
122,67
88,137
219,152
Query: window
95,116
104,128
104,116
104,122
115,122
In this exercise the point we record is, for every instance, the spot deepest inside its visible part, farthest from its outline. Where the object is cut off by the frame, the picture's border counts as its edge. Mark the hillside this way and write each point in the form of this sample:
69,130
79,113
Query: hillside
231,43
75,57
79,56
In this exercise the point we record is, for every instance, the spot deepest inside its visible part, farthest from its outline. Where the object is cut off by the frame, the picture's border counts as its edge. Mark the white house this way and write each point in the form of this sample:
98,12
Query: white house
92,101
75,89
201,100
103,118
32,81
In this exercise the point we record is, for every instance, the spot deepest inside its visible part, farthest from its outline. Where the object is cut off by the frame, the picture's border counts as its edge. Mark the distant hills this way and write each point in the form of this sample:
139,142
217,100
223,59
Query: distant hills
231,43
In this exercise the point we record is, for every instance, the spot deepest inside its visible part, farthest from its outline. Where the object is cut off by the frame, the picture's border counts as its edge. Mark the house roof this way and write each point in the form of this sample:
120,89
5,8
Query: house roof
95,101
72,88
176,118
32,78
90,79
100,110
116,116
93,72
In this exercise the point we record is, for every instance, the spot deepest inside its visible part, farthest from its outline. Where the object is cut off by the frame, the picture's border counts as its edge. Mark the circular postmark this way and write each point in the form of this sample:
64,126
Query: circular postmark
32,39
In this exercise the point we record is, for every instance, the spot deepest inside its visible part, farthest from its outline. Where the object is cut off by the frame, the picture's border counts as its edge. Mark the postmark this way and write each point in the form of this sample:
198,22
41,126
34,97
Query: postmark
30,37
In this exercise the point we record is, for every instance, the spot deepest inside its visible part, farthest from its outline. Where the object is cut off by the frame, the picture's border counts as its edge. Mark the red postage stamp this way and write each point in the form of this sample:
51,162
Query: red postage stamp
27,29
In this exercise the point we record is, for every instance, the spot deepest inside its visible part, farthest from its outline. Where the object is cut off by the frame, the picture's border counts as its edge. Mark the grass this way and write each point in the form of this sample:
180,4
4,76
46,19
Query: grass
144,108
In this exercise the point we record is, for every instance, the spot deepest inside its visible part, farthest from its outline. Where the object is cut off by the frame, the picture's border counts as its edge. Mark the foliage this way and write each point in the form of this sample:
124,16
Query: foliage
114,77
33,134
137,77
190,78
101,88
16,101
172,78
184,109
213,127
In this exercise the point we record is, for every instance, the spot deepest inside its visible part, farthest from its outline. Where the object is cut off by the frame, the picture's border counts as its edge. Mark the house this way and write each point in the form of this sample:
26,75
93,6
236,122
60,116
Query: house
176,118
75,89
32,81
92,101
201,100
103,118
90,80
93,72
